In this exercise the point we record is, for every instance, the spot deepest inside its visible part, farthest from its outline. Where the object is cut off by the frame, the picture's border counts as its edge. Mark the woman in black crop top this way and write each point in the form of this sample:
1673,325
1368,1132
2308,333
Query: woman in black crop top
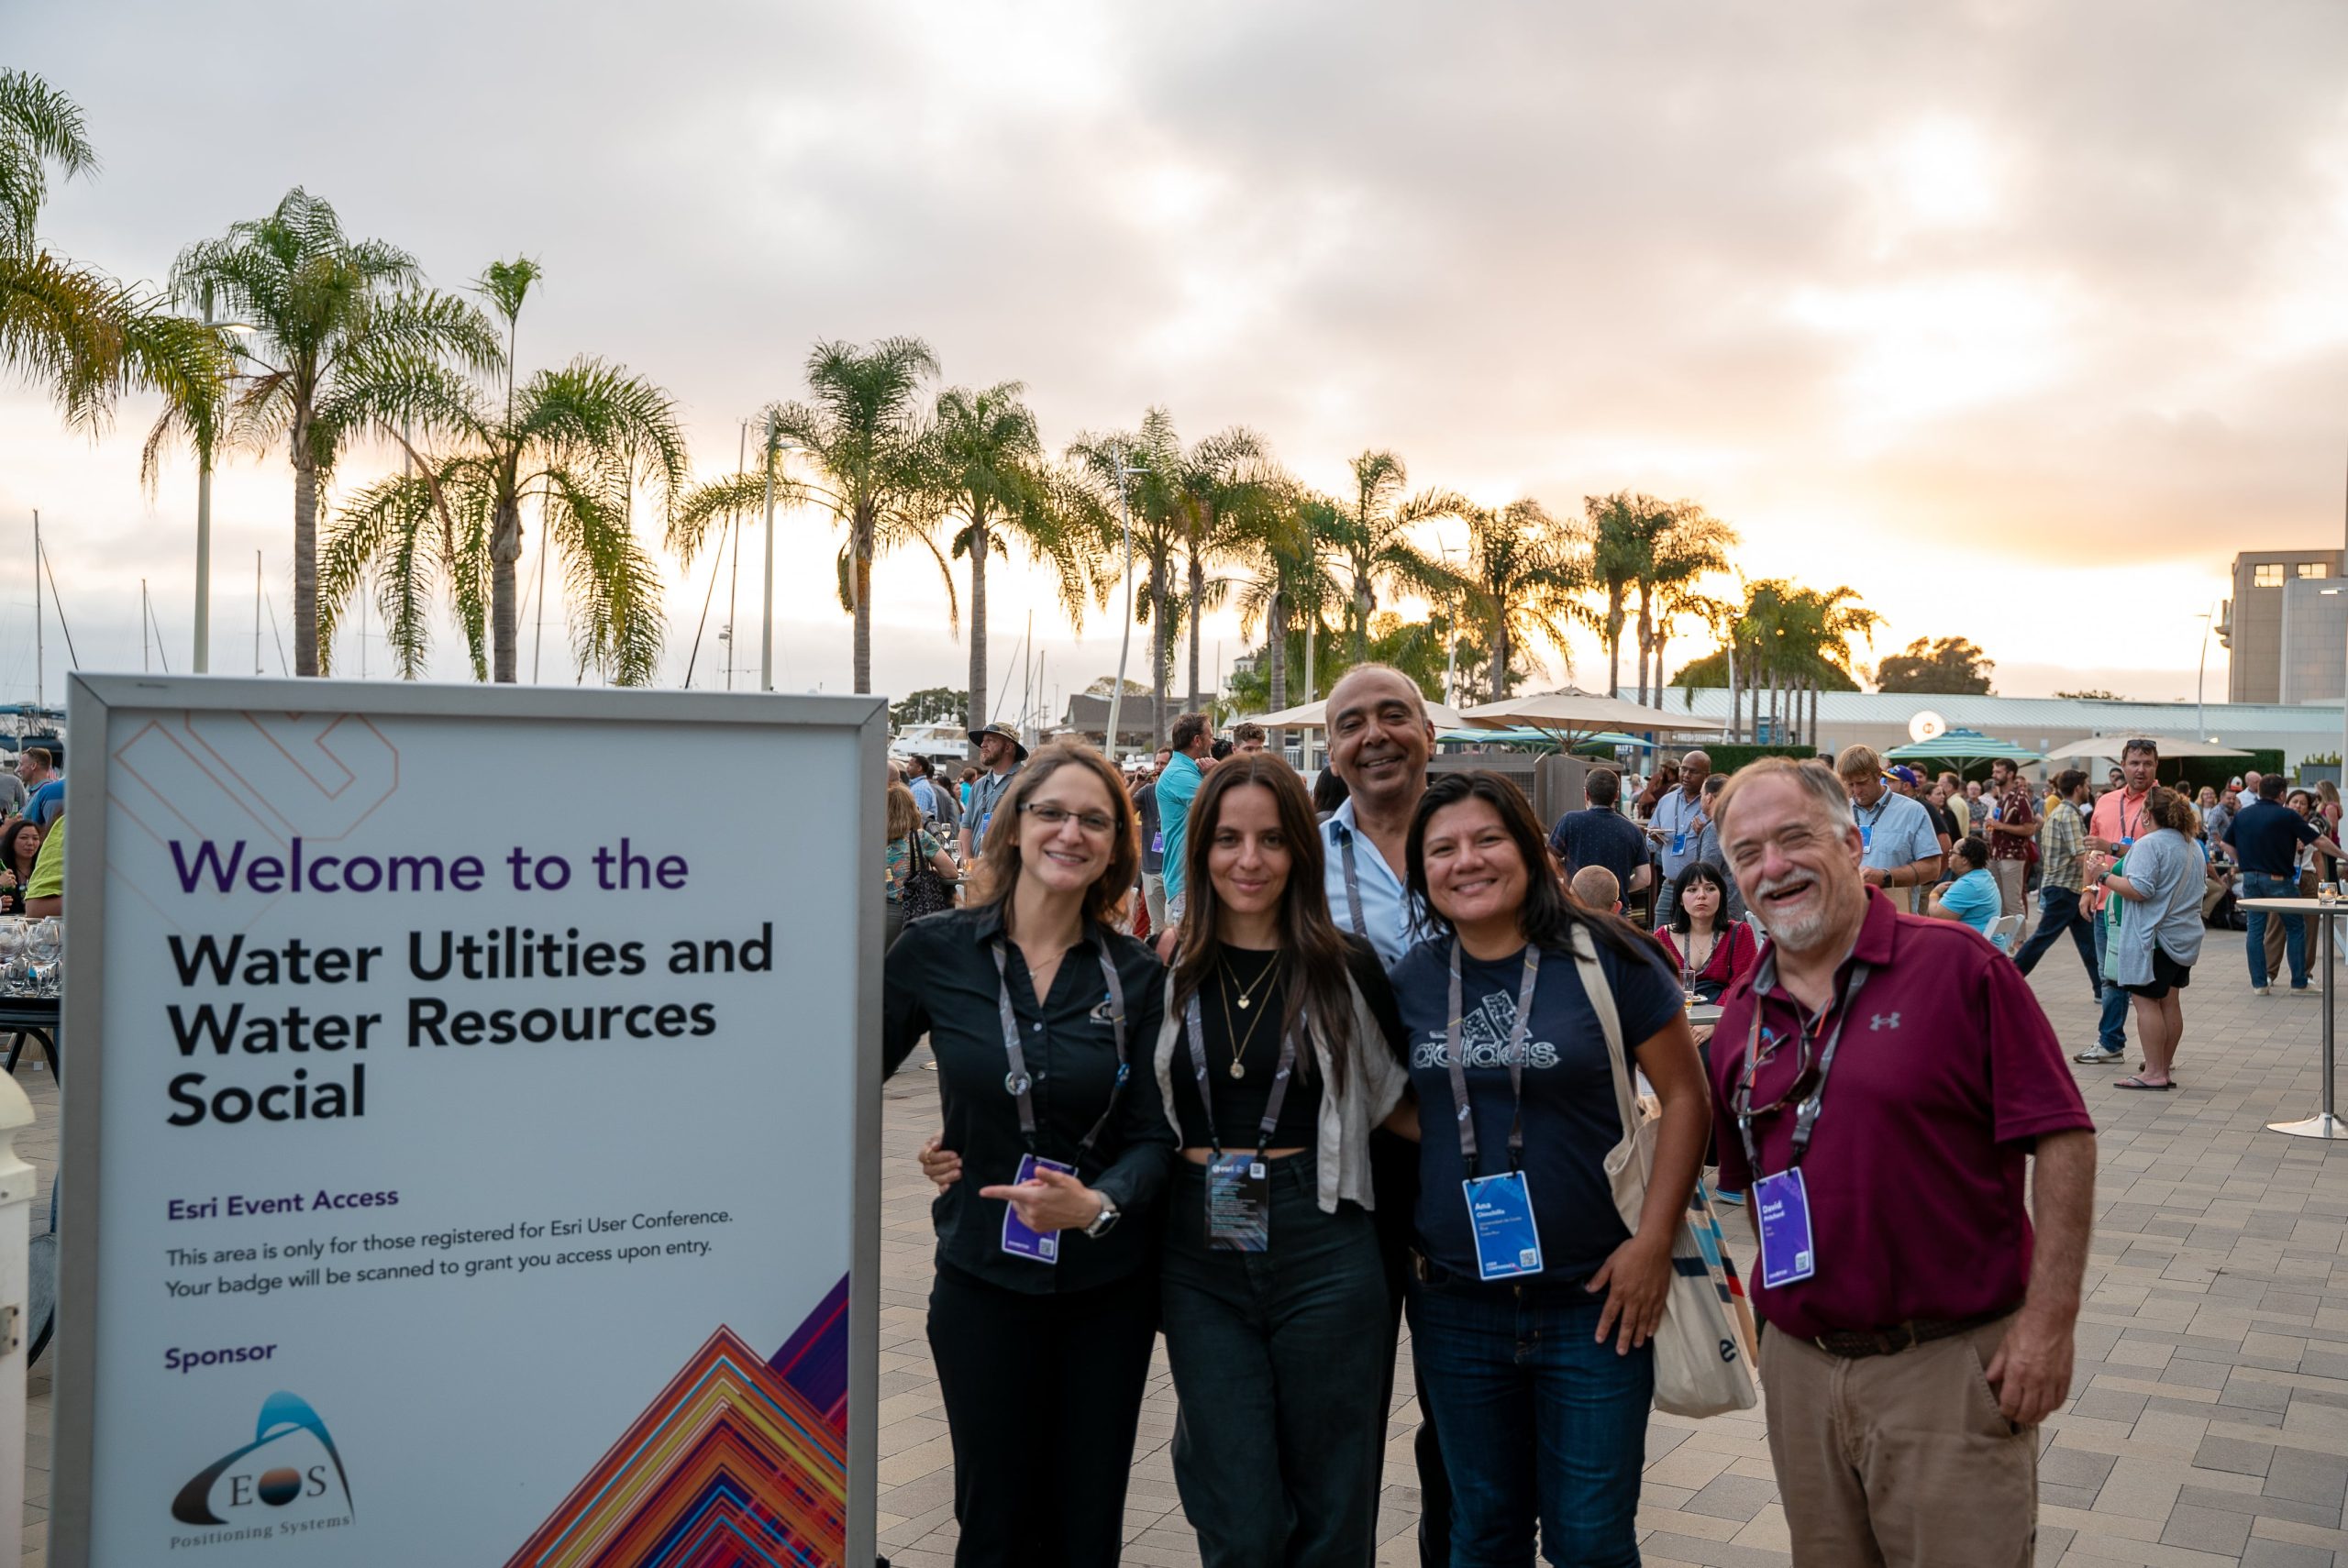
1279,1052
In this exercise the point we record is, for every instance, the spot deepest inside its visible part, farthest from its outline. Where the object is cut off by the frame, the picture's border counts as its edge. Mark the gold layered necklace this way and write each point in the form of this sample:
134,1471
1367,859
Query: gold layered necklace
1245,998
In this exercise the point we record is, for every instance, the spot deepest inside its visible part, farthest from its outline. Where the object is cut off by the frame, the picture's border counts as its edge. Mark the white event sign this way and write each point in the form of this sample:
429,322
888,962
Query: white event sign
471,1104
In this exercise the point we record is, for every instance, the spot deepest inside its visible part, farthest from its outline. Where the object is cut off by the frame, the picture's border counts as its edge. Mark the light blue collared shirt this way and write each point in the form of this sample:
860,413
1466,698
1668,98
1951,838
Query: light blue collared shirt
1389,919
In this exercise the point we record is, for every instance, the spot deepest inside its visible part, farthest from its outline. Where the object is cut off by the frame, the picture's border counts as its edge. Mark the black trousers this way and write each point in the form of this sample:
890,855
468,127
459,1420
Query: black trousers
1042,1396
1394,1179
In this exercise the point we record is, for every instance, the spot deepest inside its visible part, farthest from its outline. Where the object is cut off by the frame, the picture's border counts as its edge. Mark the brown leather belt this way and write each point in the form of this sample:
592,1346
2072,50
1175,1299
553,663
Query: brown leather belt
1852,1343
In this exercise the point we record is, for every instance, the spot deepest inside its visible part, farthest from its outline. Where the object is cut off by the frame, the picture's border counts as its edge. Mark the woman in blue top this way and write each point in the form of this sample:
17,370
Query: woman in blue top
1972,897
1531,1320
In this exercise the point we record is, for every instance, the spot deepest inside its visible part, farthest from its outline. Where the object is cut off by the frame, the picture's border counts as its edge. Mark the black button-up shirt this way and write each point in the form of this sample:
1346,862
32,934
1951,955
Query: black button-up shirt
941,980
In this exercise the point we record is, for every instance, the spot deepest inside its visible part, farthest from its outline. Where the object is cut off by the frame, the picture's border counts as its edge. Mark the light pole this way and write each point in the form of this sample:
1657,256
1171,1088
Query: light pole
2201,712
1125,641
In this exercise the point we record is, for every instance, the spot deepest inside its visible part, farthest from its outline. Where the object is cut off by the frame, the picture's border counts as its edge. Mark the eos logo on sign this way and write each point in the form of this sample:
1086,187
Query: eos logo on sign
290,1461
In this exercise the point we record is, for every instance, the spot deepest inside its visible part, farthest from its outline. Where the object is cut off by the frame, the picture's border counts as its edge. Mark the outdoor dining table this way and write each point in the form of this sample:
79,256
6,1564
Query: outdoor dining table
2323,1124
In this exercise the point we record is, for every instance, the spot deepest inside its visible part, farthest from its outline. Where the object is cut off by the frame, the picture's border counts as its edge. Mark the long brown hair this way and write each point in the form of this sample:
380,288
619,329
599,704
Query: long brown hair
1311,958
998,871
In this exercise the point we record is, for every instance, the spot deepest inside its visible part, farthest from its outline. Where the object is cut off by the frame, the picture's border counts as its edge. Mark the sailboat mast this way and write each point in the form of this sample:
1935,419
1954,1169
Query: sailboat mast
142,623
40,675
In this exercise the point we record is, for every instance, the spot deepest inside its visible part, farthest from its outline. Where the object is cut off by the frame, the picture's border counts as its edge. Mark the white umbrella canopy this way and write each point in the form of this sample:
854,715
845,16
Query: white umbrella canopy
1316,715
2111,746
1574,710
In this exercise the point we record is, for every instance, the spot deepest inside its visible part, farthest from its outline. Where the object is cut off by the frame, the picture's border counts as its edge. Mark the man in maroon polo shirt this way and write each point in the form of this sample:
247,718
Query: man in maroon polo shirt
1880,1083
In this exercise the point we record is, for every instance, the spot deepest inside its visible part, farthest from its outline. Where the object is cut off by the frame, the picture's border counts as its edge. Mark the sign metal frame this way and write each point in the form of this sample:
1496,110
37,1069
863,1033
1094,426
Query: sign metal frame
91,701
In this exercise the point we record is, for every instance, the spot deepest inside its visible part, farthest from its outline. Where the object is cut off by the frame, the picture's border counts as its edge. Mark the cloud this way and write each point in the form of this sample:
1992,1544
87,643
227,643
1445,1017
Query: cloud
1992,289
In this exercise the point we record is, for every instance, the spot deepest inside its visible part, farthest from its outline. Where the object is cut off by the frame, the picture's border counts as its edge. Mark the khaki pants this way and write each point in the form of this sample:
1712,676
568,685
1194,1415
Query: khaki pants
2011,875
1899,1460
1153,898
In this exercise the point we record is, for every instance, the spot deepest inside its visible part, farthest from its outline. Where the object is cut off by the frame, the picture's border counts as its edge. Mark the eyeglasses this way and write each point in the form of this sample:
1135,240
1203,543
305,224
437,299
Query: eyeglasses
1052,816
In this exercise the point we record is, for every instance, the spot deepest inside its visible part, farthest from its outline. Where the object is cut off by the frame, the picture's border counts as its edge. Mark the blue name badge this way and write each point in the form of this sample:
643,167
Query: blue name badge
1867,837
1500,1213
1678,844
1782,1204
1040,1246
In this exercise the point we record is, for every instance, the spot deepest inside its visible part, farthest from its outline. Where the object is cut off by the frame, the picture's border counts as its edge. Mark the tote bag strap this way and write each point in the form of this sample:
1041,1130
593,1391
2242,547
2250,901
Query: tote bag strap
1609,1023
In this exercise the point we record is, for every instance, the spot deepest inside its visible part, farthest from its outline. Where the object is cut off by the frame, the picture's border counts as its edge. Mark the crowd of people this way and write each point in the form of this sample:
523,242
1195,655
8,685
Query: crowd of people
32,834
1365,1068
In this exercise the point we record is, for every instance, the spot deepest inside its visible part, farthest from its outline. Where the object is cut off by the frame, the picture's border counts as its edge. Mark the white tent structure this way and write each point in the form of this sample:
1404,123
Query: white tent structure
2098,747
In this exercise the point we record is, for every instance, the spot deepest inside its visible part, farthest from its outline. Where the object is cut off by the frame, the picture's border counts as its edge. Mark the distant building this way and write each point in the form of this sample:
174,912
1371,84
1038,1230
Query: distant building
1137,721
2272,587
1881,718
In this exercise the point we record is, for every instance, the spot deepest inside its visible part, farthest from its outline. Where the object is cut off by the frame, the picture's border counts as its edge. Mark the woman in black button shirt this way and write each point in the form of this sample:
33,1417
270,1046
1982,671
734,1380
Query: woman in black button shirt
1044,1306
1278,1337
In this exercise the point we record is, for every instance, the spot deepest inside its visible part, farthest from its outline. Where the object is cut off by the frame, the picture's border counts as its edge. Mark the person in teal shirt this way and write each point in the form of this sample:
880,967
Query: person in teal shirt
1972,897
1176,789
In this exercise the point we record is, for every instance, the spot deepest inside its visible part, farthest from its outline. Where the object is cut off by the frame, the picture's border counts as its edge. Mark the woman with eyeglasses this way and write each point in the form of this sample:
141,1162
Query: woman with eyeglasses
1535,1306
1042,1310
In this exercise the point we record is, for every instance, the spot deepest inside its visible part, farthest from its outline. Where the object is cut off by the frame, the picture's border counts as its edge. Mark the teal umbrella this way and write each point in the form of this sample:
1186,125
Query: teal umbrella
1960,745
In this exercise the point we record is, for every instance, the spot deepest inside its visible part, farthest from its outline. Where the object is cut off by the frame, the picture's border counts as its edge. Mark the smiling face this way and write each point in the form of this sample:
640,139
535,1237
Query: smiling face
1379,737
1247,857
1473,873
23,843
1066,855
1797,865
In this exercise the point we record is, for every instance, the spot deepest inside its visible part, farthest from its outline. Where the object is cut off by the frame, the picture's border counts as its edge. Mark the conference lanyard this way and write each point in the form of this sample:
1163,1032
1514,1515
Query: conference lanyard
1206,1093
1017,1081
1806,1113
1353,886
1513,1053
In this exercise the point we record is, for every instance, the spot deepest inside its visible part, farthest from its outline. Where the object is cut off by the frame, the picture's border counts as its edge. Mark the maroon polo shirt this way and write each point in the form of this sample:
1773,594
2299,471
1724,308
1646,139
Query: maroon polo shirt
1946,1075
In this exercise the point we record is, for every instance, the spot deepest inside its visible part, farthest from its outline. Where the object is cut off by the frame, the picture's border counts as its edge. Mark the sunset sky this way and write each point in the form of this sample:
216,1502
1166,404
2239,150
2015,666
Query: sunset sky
2018,319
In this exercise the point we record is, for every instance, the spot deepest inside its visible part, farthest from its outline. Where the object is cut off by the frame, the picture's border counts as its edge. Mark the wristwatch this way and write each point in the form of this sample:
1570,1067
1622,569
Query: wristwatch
1105,1220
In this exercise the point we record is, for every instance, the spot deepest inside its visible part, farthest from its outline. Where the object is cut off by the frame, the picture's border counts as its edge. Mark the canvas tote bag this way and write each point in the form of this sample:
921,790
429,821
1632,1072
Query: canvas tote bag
1703,1350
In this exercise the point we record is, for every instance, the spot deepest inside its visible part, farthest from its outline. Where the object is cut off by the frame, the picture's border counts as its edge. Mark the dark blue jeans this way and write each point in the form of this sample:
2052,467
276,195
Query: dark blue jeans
2111,1030
2260,885
1541,1425
2058,912
1281,1360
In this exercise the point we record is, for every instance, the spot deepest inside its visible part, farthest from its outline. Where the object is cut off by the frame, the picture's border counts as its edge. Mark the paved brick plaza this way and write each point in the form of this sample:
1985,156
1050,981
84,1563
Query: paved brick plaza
2208,1423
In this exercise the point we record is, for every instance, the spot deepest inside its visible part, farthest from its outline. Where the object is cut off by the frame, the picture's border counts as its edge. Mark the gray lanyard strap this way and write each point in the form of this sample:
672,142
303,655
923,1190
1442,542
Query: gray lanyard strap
1353,885
1206,1094
1513,1053
1806,1112
1018,1082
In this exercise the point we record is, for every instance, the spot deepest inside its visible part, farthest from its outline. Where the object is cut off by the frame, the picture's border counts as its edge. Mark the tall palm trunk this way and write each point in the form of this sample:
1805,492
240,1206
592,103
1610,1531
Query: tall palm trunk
860,580
978,544
1277,652
1198,607
1359,641
1646,641
1161,654
1613,641
305,554
1500,652
505,555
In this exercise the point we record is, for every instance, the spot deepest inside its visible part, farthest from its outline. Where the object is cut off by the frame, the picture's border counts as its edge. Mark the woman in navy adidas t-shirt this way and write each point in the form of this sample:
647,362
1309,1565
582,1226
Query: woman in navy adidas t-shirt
1530,1317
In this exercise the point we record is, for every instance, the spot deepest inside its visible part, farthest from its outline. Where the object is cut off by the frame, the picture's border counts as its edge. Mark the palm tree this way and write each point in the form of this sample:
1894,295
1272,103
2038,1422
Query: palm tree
1291,577
1106,493
84,338
990,473
1222,489
347,339
1373,532
1524,571
1615,540
1680,543
862,429
576,440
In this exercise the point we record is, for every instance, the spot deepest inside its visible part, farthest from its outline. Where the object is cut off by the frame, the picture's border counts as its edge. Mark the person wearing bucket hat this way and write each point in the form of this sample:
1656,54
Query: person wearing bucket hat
1002,755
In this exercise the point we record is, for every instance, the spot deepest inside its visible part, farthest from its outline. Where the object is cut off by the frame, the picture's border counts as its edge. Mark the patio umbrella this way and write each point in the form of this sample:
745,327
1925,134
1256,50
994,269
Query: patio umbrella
2098,747
1315,716
1574,711
1961,745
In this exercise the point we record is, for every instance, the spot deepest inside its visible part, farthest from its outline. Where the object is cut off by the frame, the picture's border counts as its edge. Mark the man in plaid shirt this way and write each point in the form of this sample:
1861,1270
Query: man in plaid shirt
2061,840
